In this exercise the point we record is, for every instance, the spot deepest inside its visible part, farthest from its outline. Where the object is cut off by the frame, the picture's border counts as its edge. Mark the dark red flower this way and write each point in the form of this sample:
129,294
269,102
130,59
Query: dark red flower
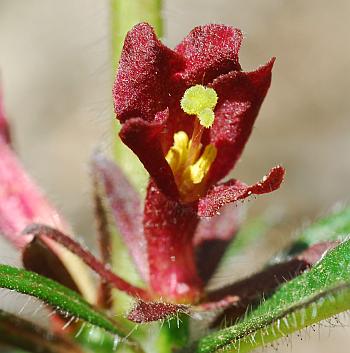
187,114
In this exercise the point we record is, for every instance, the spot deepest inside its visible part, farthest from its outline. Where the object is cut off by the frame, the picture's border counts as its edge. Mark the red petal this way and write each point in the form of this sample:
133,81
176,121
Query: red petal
126,209
234,190
169,227
212,237
143,138
209,51
43,231
146,312
240,97
141,86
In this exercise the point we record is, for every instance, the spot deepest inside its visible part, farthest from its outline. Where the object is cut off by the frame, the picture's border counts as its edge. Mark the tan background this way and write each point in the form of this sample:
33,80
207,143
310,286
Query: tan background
54,60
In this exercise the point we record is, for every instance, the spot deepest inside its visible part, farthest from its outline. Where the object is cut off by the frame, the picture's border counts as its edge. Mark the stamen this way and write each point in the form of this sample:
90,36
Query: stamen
201,101
186,158
177,155
195,144
194,175
189,164
198,98
199,170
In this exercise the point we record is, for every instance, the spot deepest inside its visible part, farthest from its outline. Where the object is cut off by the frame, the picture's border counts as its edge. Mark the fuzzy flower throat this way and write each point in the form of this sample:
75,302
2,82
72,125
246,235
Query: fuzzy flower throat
188,159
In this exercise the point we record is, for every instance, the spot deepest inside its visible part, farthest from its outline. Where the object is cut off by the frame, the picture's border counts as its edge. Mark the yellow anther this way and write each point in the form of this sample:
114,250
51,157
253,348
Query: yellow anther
189,173
200,169
177,155
186,158
201,101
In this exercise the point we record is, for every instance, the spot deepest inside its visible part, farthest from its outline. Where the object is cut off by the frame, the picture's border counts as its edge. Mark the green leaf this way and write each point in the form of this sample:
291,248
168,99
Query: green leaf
20,333
317,294
56,295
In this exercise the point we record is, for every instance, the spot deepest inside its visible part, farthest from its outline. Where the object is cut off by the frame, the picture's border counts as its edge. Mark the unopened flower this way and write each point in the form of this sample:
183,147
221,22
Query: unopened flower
23,203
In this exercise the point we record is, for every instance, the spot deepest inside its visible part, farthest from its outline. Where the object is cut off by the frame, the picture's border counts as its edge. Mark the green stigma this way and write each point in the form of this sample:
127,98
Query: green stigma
201,101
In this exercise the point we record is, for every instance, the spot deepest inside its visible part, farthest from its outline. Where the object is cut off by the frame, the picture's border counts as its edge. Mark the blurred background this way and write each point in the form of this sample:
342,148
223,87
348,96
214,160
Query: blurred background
56,74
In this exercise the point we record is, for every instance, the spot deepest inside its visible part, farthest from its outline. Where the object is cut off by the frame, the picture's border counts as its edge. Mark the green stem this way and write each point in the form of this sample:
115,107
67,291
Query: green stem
127,13
124,15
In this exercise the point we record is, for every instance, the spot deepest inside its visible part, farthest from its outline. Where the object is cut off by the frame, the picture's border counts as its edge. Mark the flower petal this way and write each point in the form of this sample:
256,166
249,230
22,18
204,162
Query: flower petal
143,138
126,209
209,51
234,190
240,97
212,237
141,86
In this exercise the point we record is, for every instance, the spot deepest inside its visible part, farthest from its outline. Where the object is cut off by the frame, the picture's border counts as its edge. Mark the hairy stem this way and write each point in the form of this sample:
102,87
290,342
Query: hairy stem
124,15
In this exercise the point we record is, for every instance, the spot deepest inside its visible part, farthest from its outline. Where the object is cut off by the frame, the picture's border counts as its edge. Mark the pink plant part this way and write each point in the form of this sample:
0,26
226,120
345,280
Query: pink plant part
23,203
126,209
4,127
